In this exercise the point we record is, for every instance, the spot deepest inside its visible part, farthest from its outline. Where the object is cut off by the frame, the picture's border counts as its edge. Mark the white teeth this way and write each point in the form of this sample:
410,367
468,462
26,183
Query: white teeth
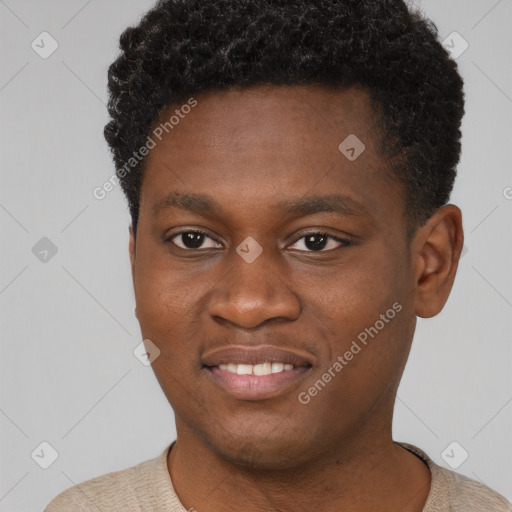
262,369
277,367
244,369
265,368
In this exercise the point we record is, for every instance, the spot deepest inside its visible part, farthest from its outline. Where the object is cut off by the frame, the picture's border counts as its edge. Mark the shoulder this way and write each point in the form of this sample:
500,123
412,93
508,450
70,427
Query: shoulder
468,494
454,492
125,490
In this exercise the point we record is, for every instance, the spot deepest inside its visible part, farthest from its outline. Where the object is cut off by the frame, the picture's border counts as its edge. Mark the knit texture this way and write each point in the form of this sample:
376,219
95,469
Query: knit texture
147,487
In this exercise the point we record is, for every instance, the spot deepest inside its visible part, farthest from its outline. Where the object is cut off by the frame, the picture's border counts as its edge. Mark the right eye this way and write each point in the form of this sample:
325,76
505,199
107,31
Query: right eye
190,240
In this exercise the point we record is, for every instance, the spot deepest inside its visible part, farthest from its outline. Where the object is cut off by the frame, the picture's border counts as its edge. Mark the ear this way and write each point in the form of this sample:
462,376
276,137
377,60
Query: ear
131,250
436,249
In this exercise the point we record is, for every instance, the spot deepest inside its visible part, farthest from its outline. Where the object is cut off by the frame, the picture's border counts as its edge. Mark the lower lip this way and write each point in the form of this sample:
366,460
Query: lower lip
257,387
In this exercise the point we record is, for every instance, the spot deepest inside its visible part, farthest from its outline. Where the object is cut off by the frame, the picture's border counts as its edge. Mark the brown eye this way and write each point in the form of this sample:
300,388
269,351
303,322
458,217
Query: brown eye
190,240
318,242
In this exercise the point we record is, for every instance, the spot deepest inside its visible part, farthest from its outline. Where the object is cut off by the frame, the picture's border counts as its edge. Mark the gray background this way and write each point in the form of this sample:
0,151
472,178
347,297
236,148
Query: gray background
68,373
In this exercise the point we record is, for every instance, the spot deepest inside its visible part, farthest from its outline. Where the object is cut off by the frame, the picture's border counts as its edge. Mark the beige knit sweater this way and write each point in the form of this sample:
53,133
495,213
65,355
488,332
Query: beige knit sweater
147,487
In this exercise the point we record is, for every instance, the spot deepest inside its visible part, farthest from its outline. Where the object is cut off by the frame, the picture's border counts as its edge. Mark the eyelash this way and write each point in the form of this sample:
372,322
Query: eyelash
342,241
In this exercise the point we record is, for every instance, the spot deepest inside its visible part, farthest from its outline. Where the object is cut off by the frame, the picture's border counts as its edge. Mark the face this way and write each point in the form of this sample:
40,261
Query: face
265,255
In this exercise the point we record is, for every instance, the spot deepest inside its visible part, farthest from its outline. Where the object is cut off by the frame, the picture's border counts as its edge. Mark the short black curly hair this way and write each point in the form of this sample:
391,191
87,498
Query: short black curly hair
181,48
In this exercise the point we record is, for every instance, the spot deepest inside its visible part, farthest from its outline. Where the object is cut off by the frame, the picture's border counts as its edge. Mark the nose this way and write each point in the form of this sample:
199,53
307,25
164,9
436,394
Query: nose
250,294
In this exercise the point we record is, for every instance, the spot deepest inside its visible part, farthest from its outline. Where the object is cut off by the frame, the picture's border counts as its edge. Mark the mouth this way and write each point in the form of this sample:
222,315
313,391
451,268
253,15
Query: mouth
256,373
266,368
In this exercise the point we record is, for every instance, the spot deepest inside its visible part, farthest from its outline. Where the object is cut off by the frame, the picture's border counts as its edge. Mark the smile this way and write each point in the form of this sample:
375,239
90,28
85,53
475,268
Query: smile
266,368
256,372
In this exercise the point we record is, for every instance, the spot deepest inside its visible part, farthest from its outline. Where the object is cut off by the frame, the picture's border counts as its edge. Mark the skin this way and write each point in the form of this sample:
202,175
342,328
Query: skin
248,150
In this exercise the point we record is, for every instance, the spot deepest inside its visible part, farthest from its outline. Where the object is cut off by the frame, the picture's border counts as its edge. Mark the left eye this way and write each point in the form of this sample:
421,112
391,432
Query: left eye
318,242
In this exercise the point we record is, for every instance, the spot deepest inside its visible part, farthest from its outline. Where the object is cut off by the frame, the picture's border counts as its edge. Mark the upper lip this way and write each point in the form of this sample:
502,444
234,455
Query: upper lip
239,354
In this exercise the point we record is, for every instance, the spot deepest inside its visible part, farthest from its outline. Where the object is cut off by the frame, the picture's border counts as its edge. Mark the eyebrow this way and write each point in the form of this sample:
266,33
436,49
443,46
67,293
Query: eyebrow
204,205
195,203
335,203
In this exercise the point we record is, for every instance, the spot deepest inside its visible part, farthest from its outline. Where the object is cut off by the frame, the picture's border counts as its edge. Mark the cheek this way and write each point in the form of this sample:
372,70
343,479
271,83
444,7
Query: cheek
351,296
361,315
165,311
171,301
165,294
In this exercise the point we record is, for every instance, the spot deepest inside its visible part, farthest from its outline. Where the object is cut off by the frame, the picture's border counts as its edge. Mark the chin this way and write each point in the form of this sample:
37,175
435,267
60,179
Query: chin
262,454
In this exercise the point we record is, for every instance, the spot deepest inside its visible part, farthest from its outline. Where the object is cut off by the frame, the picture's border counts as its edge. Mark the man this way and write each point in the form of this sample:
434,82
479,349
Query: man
287,165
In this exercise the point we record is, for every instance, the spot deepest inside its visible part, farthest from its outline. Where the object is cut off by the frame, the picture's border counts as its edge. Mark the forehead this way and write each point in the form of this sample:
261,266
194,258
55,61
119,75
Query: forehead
274,116
269,143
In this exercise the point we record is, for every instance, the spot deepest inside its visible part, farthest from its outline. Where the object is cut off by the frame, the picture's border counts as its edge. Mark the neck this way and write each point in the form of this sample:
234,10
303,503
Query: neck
364,474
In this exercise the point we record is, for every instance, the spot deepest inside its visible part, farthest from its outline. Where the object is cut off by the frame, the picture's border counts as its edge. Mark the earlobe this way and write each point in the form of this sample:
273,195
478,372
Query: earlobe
436,250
